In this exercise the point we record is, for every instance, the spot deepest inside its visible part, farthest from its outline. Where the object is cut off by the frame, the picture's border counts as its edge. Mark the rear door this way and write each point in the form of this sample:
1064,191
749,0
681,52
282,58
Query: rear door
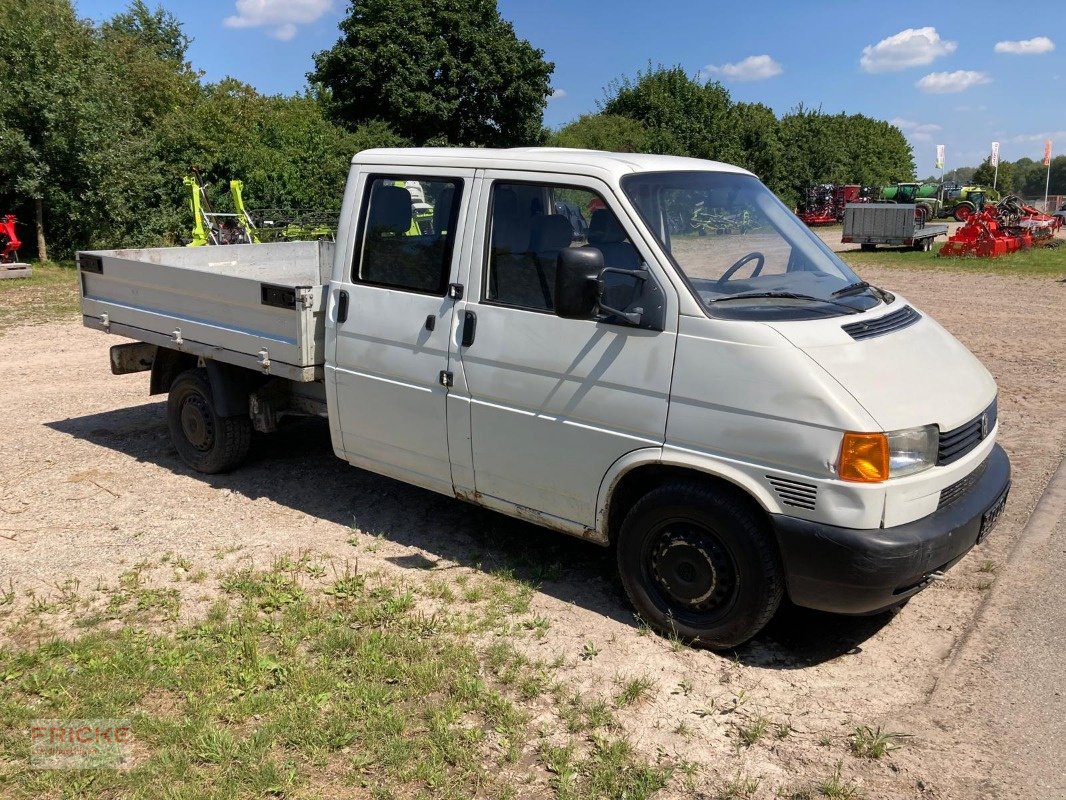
393,323
555,402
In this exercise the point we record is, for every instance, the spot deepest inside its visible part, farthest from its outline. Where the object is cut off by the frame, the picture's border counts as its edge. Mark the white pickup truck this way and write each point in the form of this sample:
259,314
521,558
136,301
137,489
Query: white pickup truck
649,352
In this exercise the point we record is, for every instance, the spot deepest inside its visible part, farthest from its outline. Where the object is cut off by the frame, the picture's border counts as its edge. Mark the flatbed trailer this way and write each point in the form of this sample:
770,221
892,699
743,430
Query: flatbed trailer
257,306
871,224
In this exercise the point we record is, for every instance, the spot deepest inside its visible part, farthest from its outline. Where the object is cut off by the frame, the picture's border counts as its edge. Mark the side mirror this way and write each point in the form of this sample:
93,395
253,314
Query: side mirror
577,288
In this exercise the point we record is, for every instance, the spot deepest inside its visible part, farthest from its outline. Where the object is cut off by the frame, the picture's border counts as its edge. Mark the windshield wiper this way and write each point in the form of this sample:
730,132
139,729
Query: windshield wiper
851,288
787,296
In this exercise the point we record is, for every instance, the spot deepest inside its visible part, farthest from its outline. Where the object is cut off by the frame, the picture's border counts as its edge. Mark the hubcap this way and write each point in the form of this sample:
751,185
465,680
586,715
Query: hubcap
196,423
692,569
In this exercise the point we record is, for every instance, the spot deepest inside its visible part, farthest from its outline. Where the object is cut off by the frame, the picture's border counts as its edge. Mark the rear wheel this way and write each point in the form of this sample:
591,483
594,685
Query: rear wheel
204,440
700,564
963,212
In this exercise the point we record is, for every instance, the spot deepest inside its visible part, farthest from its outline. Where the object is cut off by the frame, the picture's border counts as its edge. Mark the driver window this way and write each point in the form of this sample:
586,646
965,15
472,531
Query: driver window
532,223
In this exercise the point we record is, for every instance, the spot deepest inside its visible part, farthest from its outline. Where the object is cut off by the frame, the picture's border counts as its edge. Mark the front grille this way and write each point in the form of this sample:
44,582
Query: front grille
895,321
794,493
956,443
952,493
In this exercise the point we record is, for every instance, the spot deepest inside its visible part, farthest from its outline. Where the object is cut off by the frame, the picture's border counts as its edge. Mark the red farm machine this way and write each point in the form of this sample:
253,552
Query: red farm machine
824,204
1006,227
9,250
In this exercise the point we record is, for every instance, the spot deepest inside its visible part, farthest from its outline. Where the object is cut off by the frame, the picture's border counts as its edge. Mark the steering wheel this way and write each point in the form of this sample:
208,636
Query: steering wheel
755,255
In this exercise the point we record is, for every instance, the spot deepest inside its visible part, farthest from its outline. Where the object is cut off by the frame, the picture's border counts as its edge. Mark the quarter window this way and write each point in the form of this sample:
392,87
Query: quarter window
407,228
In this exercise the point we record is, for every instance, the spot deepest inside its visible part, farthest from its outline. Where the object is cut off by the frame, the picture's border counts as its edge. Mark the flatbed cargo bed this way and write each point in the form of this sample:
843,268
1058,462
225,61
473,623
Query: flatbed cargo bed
871,224
260,306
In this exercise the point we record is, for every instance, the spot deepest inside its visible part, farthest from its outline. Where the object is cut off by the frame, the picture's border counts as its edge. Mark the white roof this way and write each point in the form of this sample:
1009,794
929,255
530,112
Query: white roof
541,159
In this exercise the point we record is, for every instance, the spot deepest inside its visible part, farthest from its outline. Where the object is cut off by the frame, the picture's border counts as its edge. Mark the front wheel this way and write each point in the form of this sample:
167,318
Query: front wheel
700,564
204,440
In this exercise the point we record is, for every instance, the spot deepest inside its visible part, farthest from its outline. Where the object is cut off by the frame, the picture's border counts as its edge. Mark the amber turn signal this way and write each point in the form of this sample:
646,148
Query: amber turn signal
863,458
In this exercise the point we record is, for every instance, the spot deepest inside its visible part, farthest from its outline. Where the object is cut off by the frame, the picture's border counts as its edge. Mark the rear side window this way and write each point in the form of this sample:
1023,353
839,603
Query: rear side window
531,224
407,226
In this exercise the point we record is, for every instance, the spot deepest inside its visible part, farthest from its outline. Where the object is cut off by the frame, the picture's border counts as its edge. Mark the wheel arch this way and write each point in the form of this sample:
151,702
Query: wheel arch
638,472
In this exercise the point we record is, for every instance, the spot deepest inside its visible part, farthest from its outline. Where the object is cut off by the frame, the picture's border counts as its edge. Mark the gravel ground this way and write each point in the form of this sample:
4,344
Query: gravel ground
89,486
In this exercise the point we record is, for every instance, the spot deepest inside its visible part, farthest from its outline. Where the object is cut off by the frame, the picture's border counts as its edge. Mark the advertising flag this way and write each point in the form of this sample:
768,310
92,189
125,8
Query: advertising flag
1047,153
940,156
995,154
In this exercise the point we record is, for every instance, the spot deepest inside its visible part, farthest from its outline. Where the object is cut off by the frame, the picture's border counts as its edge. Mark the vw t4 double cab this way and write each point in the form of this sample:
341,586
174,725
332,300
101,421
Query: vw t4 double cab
688,375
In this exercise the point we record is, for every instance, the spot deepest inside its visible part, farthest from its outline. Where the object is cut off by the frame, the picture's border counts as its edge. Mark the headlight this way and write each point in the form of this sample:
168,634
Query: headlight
876,457
912,450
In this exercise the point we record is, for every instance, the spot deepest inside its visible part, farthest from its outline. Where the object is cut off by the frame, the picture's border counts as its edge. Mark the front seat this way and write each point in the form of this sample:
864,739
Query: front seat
550,234
608,236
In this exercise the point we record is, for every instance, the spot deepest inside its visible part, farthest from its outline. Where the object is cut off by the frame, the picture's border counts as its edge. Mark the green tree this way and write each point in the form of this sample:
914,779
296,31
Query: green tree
758,138
603,132
438,71
986,175
681,115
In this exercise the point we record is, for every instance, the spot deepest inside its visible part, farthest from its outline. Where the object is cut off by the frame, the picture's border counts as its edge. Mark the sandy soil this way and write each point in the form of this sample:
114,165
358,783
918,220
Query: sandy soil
89,486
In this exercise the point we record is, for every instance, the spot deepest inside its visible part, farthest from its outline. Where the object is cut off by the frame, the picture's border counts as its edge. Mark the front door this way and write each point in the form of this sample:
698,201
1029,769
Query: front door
394,315
555,402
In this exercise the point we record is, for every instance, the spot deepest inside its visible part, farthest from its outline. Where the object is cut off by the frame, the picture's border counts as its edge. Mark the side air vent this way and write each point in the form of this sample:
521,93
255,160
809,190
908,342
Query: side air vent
870,328
794,493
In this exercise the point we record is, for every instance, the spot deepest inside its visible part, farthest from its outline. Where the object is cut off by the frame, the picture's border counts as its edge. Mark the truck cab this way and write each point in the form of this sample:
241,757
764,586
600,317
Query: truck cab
728,406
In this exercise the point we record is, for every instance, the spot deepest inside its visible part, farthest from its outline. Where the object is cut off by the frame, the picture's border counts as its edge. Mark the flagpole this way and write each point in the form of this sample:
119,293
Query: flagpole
1047,185
995,177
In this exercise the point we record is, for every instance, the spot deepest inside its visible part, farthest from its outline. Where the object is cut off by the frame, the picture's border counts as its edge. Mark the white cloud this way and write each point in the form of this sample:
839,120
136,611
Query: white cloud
752,68
1027,47
1055,136
950,82
914,47
281,16
557,94
917,131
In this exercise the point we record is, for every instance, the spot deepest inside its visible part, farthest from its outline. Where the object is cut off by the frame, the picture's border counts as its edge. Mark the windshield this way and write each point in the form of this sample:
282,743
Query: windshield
742,250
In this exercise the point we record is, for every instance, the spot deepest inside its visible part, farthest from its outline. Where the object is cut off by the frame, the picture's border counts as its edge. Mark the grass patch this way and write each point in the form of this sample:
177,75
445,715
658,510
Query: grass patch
303,682
1036,262
869,742
50,293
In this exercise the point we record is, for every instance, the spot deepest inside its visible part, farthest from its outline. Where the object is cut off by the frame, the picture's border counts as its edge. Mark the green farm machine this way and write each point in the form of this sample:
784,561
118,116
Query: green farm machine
933,200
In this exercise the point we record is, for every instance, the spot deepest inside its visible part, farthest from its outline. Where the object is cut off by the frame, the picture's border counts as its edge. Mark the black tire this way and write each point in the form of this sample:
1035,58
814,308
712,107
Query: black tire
963,211
205,441
700,564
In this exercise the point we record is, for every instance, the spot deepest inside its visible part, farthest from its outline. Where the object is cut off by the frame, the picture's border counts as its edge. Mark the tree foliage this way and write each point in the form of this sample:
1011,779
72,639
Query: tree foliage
439,71
603,132
684,115
99,124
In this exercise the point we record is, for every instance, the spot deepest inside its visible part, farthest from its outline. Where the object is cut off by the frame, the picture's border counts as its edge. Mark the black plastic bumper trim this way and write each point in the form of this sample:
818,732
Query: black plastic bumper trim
854,571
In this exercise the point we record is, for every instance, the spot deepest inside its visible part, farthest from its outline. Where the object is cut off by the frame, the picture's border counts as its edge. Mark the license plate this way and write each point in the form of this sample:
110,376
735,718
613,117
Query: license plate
992,515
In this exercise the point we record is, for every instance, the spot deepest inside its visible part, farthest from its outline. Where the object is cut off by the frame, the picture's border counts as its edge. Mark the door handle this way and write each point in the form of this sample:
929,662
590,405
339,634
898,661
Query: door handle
342,306
469,328
431,322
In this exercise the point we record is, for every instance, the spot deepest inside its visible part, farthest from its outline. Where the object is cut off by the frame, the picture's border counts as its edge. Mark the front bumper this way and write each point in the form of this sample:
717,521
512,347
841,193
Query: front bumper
850,571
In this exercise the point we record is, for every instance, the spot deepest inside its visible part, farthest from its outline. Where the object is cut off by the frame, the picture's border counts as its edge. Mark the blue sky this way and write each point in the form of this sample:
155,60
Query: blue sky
958,75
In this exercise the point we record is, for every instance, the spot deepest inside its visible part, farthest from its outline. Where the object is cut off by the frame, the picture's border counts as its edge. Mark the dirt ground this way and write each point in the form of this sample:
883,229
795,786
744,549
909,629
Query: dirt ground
89,486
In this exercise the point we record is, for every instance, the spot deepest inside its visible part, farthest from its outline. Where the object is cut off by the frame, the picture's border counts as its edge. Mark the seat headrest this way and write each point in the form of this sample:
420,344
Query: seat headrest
551,232
507,234
390,210
604,227
442,211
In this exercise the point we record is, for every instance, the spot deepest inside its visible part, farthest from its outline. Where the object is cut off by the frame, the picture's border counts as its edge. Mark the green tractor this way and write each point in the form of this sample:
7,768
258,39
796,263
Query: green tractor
924,196
964,201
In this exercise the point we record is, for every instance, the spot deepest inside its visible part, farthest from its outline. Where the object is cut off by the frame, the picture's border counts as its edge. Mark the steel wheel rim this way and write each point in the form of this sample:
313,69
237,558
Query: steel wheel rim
197,424
689,572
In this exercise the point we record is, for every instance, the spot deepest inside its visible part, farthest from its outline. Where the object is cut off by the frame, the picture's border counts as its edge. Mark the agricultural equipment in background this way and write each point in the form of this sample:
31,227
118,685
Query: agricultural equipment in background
1000,229
926,198
9,240
824,204
10,267
966,201
211,227
288,225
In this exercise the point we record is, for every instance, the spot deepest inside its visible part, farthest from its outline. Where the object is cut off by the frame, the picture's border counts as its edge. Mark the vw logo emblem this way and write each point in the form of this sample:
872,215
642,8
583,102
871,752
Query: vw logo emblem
984,426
